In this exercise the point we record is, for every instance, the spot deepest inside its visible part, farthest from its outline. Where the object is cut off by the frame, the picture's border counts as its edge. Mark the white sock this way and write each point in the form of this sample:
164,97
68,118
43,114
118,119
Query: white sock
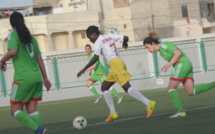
137,95
15,113
109,100
35,113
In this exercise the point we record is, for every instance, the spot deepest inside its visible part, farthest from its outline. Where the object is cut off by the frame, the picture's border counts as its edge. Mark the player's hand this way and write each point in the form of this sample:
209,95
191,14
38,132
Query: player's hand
166,67
125,45
47,84
3,66
90,73
80,73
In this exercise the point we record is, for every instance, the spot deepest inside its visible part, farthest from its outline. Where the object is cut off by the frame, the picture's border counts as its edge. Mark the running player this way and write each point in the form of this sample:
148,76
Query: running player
28,64
105,45
98,75
182,71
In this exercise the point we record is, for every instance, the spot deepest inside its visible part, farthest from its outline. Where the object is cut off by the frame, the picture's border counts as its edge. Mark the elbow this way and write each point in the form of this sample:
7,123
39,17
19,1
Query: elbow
13,53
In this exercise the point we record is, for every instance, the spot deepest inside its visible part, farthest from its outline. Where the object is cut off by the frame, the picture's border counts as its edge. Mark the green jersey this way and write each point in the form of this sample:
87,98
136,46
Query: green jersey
25,61
167,49
99,68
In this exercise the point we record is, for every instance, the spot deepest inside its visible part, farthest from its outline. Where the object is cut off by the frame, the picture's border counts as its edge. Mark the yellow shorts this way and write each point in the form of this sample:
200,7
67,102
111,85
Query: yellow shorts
118,72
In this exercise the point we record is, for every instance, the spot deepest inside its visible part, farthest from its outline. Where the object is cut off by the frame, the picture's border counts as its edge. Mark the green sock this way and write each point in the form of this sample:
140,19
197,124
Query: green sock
93,90
175,99
26,120
36,117
203,87
115,93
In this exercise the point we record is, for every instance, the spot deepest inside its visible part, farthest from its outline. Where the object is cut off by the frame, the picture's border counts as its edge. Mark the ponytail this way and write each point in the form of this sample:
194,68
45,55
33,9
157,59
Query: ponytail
153,37
17,22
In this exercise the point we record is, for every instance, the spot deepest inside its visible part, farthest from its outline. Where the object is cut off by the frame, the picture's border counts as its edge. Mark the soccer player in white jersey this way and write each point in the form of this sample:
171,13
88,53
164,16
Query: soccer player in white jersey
105,45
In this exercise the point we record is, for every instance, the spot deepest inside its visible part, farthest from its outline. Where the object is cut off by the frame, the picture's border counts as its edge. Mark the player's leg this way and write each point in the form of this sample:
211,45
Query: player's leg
109,100
31,108
140,97
93,78
122,77
178,75
19,96
175,99
191,90
115,93
113,90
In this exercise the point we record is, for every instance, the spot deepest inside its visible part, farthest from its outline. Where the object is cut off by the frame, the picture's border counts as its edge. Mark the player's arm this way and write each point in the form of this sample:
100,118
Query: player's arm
47,83
177,54
92,61
125,42
122,38
91,68
175,58
10,54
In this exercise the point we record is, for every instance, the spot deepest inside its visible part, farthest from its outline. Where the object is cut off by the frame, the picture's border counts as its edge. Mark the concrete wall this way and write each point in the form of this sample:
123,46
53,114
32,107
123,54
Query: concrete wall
54,31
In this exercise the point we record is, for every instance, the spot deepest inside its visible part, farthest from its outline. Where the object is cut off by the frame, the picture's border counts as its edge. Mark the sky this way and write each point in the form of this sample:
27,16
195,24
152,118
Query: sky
15,3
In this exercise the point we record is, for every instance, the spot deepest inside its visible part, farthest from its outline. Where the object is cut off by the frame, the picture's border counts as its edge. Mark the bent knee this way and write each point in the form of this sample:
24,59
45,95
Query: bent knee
190,93
89,84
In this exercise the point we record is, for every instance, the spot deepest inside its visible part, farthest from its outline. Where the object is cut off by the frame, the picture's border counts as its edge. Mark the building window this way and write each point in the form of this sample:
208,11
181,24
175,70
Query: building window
61,5
125,26
83,36
184,11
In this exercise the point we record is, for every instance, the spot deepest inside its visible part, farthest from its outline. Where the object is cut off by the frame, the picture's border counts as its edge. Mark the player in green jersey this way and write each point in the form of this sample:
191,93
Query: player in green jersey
98,75
182,70
28,76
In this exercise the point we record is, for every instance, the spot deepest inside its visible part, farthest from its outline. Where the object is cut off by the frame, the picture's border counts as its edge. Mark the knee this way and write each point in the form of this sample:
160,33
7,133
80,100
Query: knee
190,93
104,88
89,85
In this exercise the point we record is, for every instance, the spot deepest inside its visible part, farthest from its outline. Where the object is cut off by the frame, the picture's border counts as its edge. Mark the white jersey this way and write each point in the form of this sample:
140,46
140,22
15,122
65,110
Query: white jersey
105,45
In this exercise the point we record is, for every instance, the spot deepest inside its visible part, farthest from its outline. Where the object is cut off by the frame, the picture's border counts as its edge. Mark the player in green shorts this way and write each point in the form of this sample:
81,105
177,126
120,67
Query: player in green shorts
28,76
182,70
98,75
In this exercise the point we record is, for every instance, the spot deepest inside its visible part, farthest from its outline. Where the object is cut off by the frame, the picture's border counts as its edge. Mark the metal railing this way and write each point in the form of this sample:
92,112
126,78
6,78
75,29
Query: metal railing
141,64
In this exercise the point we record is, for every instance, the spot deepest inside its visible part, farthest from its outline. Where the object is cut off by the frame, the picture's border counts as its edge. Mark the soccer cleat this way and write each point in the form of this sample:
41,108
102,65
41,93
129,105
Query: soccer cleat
178,114
98,99
150,108
119,100
112,117
41,130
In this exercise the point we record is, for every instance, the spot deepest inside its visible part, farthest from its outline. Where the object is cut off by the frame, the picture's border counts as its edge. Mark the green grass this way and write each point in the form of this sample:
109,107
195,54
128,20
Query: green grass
58,116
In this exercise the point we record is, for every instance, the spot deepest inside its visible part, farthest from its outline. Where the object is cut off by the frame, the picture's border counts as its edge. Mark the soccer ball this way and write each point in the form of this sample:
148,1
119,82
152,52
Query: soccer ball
79,122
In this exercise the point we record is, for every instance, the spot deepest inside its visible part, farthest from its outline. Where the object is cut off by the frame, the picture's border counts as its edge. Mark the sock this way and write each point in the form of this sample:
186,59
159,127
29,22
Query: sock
109,100
137,95
175,99
203,87
36,117
26,120
93,90
115,93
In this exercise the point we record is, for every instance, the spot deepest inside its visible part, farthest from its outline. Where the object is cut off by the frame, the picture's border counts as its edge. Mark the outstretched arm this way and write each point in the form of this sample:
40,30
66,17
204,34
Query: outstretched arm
92,61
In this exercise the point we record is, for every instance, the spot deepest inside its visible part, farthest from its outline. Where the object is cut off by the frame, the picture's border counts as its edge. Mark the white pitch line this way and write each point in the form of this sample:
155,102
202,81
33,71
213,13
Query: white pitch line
136,117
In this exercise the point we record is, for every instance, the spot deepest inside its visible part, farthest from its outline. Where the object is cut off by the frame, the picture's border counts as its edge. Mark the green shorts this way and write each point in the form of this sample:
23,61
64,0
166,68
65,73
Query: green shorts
182,71
22,94
97,77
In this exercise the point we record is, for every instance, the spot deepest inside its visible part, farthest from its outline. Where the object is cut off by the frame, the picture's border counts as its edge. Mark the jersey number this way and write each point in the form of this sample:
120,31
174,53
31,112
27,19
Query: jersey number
30,49
113,45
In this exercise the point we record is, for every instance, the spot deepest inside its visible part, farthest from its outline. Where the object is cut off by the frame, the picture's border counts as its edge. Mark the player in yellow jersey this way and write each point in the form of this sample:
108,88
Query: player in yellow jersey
105,45
98,75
